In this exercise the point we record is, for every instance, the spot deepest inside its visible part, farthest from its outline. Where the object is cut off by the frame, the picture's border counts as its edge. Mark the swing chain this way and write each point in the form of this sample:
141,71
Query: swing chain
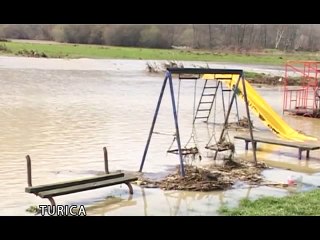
193,150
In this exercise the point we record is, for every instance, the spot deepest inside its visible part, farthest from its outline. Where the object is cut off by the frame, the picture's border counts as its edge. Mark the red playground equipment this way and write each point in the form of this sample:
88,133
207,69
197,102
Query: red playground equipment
303,99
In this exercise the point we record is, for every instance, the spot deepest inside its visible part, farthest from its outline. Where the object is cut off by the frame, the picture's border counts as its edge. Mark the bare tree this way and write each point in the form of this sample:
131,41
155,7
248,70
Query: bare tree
248,36
210,35
195,37
279,35
241,29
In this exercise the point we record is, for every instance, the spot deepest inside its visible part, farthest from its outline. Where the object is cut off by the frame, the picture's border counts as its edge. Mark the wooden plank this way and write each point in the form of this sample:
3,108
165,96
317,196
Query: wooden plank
86,186
40,188
305,146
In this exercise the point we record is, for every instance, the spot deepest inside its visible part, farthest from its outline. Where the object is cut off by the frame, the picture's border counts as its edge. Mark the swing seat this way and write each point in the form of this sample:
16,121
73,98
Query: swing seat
185,151
221,147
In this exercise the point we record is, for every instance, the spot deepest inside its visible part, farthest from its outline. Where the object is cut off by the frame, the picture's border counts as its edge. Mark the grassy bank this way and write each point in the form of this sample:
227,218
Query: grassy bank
98,51
261,78
301,204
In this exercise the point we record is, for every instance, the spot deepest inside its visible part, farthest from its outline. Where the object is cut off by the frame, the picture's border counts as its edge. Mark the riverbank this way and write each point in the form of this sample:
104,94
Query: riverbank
252,77
62,50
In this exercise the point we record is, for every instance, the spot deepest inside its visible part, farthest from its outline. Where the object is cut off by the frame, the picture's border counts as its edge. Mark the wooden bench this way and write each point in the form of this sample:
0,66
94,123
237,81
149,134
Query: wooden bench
62,188
300,145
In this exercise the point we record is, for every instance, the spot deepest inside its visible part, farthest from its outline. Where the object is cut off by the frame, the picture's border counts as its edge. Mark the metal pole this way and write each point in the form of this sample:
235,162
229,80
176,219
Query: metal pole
106,165
285,92
145,205
225,125
153,122
29,171
168,74
249,120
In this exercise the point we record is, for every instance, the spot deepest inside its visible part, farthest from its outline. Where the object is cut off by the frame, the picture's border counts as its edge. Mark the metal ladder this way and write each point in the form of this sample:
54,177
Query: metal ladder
206,101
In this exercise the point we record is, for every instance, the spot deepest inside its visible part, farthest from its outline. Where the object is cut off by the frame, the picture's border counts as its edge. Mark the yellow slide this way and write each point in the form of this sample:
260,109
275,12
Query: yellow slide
261,108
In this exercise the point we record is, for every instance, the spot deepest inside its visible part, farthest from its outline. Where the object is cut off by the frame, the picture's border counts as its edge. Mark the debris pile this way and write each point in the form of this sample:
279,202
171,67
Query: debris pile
210,178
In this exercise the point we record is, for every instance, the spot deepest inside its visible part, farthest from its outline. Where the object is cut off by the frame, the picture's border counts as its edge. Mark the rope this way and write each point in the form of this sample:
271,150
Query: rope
215,110
214,121
178,104
193,133
174,138
229,101
236,103
194,100
178,100
226,136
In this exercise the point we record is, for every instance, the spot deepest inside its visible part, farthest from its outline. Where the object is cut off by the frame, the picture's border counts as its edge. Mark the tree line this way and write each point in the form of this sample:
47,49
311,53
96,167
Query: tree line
287,37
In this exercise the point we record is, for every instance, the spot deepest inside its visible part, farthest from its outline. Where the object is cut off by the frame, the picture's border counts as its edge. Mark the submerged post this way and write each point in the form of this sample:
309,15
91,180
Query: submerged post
249,119
106,165
153,122
168,74
29,171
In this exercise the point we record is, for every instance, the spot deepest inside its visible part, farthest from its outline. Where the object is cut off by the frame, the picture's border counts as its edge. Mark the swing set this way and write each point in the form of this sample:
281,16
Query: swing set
205,106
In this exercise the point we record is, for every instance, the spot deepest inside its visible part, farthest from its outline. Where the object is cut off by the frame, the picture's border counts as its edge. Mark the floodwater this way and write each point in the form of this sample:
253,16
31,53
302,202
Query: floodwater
63,112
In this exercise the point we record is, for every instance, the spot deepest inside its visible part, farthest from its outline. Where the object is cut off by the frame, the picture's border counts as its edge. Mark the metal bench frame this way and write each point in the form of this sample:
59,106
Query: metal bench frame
301,146
73,186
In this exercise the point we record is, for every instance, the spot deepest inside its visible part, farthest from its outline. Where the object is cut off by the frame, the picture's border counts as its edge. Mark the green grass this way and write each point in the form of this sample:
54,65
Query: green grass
98,51
300,204
254,74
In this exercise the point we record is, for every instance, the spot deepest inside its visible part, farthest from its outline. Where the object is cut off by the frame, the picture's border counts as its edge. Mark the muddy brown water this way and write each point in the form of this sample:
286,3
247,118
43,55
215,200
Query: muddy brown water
63,112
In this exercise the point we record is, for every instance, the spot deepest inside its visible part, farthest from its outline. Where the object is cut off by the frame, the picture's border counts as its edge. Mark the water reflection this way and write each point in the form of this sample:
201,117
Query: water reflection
154,202
110,204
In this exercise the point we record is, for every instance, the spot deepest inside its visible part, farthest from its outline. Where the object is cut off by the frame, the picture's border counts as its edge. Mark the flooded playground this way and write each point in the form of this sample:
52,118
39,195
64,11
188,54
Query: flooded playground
63,112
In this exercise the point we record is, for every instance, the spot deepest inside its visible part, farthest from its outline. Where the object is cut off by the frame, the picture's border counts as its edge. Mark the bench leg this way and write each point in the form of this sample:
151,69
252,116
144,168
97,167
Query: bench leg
255,145
130,187
300,153
247,143
53,203
308,154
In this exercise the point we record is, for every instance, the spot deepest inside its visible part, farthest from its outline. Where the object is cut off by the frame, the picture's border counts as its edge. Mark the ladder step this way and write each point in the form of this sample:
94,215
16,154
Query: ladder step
200,117
207,94
226,90
189,76
207,97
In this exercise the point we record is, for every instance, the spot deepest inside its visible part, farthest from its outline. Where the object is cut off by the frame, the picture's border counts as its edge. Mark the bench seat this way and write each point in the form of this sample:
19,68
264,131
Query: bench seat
302,146
85,186
40,188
